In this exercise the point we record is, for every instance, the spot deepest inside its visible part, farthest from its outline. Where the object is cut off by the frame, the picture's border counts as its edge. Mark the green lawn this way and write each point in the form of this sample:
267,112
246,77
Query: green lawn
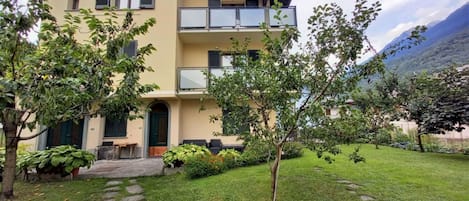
388,174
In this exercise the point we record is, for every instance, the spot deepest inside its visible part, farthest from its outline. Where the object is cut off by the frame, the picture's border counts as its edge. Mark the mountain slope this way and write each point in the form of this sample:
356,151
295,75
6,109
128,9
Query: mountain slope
447,43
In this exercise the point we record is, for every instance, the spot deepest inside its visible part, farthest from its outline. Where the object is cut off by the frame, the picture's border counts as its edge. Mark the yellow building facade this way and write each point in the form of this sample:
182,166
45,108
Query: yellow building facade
191,37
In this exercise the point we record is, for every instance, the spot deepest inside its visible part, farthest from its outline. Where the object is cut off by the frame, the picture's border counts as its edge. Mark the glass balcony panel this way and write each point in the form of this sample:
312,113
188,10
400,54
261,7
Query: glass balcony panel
222,17
250,17
290,18
192,79
194,18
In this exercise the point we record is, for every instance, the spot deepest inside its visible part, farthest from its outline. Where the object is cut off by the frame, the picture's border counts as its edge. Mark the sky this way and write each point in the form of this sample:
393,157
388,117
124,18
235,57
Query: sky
395,17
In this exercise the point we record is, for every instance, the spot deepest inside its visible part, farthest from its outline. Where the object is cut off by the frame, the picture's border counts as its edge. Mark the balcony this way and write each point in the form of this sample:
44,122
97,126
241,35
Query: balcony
194,81
213,19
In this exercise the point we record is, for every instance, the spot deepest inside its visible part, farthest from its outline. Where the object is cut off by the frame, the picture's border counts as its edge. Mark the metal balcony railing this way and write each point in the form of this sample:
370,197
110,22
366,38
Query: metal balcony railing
233,18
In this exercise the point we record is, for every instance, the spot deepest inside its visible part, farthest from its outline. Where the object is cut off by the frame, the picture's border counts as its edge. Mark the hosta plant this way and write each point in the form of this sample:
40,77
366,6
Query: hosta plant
177,156
60,160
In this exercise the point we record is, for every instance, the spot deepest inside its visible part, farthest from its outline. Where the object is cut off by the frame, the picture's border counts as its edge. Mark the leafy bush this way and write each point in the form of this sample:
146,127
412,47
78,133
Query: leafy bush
203,165
230,157
256,153
59,160
292,150
465,151
384,135
177,156
401,137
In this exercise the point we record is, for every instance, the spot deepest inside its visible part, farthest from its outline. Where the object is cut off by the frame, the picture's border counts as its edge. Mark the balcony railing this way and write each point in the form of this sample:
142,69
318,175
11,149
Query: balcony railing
226,18
194,79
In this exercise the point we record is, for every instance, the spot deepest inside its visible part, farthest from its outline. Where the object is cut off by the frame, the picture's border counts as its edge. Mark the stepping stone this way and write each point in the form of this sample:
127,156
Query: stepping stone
113,183
110,200
110,195
134,198
317,169
134,189
133,181
352,192
353,186
343,181
366,198
112,189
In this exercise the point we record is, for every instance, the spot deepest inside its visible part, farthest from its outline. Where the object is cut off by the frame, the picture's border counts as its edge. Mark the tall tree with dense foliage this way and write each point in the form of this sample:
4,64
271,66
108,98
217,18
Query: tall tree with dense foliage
63,78
379,104
295,87
437,102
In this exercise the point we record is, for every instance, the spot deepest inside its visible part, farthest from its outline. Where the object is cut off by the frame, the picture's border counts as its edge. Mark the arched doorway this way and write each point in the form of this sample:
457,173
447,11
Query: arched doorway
158,132
66,133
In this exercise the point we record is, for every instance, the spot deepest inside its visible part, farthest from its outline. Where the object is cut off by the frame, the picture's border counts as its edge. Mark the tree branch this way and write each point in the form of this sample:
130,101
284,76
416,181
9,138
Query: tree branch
23,123
33,136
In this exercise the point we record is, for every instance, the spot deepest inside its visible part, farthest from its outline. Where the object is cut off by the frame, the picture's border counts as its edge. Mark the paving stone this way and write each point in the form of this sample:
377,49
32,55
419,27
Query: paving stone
111,189
133,181
343,181
352,192
353,186
134,189
110,200
366,198
110,195
134,198
113,183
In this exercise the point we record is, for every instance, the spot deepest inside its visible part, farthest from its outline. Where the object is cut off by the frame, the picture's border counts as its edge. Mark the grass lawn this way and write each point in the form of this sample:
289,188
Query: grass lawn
388,174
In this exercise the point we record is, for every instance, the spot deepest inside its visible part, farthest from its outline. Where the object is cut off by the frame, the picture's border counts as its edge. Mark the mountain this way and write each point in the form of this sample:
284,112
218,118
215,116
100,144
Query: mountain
447,43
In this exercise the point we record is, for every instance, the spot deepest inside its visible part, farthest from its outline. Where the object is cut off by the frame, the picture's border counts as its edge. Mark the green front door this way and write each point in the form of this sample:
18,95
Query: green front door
158,136
66,133
158,129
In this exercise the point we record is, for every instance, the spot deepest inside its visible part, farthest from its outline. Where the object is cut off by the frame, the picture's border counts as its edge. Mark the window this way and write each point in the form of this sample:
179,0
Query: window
131,49
73,4
234,122
134,4
101,4
147,3
219,62
115,127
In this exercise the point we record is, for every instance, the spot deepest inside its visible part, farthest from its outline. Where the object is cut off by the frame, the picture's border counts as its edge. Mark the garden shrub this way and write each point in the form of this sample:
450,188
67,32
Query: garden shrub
292,150
465,151
203,165
177,156
256,153
384,136
230,157
401,137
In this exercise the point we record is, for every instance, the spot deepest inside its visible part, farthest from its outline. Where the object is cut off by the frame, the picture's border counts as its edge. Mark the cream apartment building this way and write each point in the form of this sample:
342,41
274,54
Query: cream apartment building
191,37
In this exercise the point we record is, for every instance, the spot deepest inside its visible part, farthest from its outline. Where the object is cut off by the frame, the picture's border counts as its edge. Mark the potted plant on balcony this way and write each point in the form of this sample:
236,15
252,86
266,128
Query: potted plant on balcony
61,160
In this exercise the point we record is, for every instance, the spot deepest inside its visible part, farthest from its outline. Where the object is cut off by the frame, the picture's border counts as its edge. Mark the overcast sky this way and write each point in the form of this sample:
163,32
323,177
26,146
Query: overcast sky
396,16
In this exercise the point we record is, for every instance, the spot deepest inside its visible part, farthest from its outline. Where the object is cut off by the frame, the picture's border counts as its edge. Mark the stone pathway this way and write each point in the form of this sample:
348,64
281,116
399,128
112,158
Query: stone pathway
351,187
114,187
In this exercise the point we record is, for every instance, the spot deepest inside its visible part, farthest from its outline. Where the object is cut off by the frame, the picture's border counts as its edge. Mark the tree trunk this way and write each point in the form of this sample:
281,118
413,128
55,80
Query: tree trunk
9,170
419,141
274,170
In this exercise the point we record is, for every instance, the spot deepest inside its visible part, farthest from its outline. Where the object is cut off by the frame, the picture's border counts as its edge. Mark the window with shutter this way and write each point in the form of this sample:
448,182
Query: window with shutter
131,49
73,5
147,3
101,4
115,127
214,3
252,3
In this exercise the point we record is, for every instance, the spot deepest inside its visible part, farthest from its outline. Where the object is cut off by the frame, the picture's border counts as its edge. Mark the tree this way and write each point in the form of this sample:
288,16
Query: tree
436,102
62,78
379,104
295,87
